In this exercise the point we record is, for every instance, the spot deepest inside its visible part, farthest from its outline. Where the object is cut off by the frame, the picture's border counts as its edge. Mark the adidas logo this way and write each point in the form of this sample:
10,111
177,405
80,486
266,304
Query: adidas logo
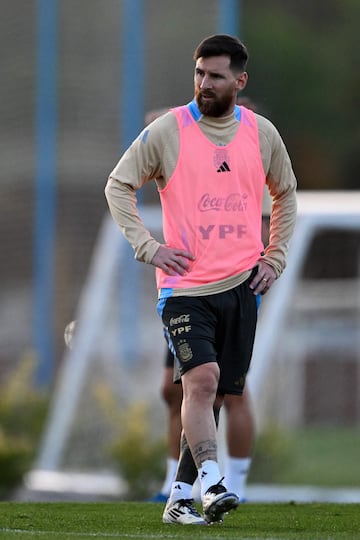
203,474
224,167
177,486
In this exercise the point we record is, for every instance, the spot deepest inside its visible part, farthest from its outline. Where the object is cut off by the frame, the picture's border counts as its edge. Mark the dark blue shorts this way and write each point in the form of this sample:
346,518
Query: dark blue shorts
169,358
214,328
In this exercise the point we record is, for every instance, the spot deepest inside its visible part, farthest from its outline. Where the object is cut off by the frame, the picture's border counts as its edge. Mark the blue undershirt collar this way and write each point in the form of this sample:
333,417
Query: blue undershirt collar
196,114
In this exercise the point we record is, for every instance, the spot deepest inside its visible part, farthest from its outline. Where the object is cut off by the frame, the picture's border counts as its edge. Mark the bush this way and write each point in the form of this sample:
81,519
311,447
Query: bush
22,414
139,458
273,453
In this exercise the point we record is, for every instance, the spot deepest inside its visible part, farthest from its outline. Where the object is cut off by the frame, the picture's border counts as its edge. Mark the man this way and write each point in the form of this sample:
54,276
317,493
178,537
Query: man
240,426
210,160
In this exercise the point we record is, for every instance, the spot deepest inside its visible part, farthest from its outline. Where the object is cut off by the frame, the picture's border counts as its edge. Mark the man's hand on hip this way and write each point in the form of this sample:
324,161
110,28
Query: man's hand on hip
172,261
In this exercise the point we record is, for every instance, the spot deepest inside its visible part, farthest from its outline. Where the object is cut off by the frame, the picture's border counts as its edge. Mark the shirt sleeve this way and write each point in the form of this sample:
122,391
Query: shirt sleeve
281,181
140,163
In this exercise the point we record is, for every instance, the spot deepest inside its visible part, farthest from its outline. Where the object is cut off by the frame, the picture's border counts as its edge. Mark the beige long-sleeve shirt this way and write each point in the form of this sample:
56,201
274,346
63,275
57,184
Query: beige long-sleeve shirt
156,160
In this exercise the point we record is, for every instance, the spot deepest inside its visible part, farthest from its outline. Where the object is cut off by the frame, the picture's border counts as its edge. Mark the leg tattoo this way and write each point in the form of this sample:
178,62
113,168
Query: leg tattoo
204,451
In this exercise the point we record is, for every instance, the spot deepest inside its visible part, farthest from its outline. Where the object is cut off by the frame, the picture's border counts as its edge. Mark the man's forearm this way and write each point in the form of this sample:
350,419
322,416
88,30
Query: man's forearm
122,202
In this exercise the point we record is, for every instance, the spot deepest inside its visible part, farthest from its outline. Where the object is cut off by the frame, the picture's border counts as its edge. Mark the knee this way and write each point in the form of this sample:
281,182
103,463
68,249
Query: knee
202,381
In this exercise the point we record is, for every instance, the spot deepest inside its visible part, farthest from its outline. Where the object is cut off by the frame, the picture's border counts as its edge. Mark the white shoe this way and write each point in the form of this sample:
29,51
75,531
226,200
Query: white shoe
217,501
182,512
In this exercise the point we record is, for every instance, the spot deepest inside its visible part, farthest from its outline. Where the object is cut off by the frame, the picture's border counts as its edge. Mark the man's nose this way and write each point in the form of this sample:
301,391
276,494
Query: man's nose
205,83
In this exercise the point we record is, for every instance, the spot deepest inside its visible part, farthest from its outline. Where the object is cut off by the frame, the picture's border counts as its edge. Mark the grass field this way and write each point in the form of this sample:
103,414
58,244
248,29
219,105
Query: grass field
66,521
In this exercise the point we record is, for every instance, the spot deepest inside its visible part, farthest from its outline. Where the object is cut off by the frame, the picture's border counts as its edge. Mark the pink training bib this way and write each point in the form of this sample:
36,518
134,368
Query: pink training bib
212,204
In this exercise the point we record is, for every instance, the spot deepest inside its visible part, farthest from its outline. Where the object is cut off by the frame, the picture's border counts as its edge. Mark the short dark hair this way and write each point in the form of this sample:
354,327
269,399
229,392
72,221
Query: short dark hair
223,44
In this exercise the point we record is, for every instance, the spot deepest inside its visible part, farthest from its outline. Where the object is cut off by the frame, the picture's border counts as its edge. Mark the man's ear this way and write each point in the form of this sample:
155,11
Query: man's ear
242,80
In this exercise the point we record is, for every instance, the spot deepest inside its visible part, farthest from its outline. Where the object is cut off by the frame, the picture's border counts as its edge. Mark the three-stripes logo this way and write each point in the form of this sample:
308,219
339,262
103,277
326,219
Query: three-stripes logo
224,167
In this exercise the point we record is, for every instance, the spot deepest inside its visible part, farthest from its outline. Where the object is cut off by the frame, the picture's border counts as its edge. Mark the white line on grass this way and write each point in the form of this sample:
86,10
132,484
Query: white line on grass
117,535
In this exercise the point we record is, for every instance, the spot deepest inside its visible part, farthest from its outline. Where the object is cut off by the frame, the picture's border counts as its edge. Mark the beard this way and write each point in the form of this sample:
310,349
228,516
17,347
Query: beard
216,107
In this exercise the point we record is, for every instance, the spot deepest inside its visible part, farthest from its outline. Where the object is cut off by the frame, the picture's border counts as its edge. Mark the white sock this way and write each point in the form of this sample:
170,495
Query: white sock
180,490
196,490
209,474
236,473
171,467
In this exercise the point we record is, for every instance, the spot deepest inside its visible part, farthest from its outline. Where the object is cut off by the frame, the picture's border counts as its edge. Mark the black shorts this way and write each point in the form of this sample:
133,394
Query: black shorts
169,359
214,328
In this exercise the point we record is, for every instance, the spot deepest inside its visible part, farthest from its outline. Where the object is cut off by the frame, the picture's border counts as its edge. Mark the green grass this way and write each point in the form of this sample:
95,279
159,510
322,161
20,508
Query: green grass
66,521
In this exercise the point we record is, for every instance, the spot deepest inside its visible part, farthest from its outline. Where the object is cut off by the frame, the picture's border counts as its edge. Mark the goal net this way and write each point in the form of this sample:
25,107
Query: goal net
306,360
115,361
311,315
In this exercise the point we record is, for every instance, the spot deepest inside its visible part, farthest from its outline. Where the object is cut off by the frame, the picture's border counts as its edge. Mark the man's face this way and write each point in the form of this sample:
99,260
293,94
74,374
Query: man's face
216,86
